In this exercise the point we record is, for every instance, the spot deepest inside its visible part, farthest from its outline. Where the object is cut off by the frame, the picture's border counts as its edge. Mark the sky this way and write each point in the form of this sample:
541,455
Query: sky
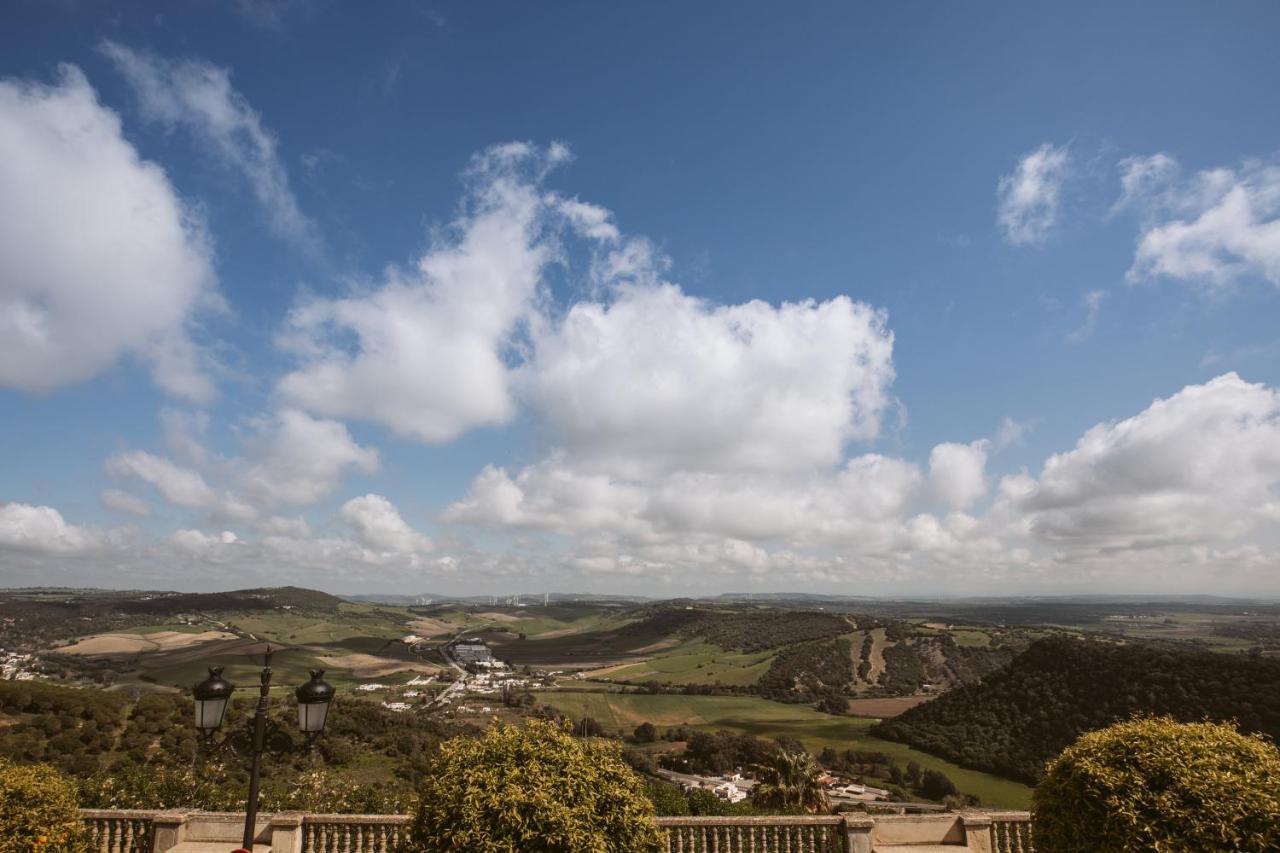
928,299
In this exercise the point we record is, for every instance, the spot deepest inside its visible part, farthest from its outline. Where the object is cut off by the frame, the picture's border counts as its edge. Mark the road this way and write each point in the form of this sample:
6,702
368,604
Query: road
460,685
703,781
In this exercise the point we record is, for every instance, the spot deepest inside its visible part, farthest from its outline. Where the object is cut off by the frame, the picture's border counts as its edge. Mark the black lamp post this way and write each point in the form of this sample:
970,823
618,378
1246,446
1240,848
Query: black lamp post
214,694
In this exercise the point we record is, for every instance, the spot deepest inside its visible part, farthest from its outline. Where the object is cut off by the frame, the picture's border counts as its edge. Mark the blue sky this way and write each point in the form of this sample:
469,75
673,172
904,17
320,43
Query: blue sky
285,301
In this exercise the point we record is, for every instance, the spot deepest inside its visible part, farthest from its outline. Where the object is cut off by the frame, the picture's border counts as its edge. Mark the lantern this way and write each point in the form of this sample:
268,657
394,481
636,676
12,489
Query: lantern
212,696
313,703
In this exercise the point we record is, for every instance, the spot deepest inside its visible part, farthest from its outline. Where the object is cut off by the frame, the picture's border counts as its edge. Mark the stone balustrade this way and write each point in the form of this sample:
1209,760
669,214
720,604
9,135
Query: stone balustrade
179,831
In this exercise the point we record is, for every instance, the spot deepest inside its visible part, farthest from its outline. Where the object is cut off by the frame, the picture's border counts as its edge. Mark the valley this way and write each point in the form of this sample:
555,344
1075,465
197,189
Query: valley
894,679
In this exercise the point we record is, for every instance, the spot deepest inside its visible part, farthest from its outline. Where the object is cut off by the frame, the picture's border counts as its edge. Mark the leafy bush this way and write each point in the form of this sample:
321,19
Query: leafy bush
38,811
213,789
532,788
1156,784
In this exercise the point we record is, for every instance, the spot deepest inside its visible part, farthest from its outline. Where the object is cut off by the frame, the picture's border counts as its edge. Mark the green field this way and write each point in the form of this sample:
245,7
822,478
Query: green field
698,662
763,718
352,620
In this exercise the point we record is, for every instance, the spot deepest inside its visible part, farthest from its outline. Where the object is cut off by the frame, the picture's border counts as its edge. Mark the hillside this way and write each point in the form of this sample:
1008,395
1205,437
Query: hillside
1021,716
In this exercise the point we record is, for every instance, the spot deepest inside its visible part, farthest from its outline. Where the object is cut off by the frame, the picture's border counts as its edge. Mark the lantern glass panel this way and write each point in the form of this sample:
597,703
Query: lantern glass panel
209,713
311,716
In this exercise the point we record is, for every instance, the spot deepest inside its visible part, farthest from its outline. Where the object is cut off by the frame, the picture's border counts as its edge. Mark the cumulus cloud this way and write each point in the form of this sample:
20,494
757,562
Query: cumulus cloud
1029,196
957,472
289,459
643,374
1198,467
199,98
378,525
655,377
180,486
101,259
298,459
42,530
424,353
118,501
1191,480
1209,230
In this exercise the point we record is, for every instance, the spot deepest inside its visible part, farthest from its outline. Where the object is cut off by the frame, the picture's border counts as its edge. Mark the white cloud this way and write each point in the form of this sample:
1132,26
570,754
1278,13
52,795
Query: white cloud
1029,196
379,526
656,378
1012,432
1191,480
1210,230
42,530
118,501
199,97
1144,180
100,259
425,353
957,472
180,486
298,459
1196,468
1092,308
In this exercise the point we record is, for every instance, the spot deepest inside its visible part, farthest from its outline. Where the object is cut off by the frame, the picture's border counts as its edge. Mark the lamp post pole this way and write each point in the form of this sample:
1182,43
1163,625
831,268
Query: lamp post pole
259,738
214,694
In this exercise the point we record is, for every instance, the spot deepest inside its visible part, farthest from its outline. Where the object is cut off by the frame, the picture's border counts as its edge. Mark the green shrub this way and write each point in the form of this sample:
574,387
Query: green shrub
532,788
1156,784
38,811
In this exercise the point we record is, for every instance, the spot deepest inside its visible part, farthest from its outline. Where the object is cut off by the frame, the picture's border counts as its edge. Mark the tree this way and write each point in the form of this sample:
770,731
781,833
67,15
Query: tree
1156,784
38,811
588,727
789,782
532,788
645,733
935,785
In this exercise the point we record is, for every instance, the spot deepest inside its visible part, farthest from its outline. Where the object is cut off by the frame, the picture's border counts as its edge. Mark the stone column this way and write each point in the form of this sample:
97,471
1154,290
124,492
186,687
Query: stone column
286,832
168,829
857,833
977,832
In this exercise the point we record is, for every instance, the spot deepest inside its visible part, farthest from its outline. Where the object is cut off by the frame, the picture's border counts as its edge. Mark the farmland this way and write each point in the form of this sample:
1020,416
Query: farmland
763,718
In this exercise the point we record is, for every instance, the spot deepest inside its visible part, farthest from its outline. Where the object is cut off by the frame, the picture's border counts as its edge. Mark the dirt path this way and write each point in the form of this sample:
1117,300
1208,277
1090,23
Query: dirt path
878,644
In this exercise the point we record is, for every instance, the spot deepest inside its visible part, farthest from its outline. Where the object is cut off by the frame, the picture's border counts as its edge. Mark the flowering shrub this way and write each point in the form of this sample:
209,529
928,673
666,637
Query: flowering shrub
38,811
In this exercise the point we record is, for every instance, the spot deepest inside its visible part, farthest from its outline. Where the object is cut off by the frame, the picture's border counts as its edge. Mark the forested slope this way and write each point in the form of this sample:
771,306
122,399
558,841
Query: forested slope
1021,716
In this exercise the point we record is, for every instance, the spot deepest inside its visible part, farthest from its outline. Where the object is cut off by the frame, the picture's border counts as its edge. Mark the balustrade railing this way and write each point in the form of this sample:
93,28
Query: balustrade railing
118,830
752,835
1011,832
137,831
335,833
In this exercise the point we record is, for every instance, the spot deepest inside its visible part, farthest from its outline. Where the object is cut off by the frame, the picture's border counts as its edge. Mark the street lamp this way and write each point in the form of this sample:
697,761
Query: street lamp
314,699
212,697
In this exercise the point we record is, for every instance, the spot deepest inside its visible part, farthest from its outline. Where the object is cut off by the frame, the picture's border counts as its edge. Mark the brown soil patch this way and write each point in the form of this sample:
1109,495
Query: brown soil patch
609,670
428,627
668,643
885,708
370,666
105,645
498,617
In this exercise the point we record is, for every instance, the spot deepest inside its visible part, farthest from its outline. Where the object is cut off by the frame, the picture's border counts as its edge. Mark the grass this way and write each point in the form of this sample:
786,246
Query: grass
970,637
698,662
763,718
310,628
